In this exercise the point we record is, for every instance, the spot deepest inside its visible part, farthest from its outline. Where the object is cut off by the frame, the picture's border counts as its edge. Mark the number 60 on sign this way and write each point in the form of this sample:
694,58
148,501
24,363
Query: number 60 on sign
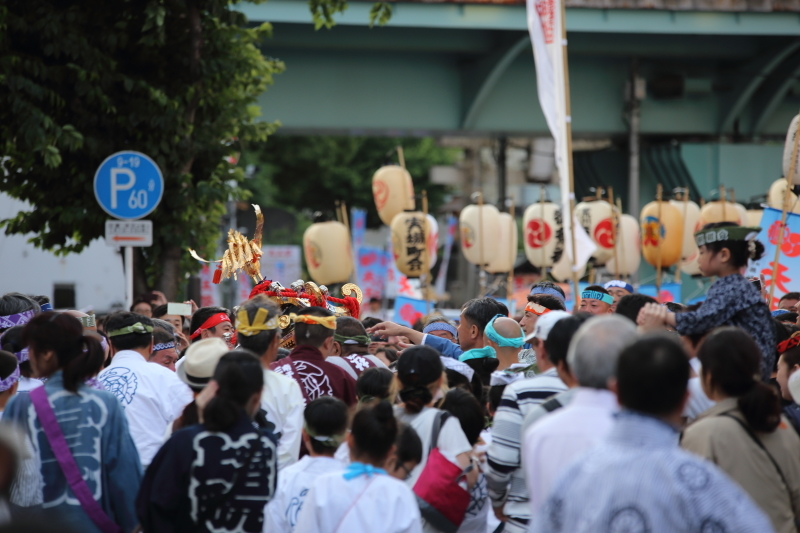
128,185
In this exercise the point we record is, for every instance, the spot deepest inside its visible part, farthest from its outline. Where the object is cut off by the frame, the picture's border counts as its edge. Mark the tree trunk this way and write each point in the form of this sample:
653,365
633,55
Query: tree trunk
170,280
139,275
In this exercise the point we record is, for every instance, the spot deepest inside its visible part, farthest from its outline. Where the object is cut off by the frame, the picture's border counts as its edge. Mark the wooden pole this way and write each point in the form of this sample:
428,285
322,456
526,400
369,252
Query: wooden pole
400,157
568,129
513,252
621,241
614,222
784,213
722,198
542,233
659,195
425,282
685,197
481,272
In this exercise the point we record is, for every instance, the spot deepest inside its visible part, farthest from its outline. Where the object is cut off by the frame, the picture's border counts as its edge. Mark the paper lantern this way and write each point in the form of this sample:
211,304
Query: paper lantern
562,270
775,197
690,265
409,243
327,250
597,218
479,247
788,148
629,248
393,191
666,249
433,240
718,211
690,212
506,255
543,234
754,217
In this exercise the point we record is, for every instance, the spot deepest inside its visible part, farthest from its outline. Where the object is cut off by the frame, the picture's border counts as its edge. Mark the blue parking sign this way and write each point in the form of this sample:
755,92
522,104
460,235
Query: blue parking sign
128,185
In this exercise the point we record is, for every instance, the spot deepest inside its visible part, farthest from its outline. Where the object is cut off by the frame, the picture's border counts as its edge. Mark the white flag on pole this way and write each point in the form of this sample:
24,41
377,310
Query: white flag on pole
545,28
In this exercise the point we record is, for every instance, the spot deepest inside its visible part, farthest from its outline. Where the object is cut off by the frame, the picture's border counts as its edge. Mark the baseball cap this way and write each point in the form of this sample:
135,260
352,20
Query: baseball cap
545,324
200,362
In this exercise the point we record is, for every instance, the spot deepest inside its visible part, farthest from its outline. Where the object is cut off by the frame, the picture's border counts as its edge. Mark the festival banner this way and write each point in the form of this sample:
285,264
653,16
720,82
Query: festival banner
282,263
789,260
450,233
408,310
372,268
358,226
209,292
670,292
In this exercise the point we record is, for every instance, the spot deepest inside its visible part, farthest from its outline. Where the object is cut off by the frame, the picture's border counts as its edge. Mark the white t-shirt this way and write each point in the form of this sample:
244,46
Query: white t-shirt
452,441
374,504
282,400
28,384
152,396
294,482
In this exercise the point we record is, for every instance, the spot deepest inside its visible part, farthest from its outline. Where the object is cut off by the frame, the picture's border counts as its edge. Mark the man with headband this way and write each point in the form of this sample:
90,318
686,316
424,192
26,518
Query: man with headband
257,330
618,288
539,304
504,335
595,300
165,349
351,348
152,395
211,322
314,328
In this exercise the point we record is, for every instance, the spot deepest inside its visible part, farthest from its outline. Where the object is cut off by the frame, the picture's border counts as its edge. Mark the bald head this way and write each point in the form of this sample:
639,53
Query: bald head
507,328
595,349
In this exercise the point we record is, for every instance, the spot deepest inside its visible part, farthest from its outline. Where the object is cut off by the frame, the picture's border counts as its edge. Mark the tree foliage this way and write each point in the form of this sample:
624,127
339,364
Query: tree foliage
174,79
309,173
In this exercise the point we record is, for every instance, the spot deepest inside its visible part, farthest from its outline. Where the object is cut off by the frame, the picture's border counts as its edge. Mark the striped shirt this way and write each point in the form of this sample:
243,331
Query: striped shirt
506,481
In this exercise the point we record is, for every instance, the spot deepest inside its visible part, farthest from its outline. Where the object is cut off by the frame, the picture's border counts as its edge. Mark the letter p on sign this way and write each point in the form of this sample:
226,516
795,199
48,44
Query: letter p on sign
116,186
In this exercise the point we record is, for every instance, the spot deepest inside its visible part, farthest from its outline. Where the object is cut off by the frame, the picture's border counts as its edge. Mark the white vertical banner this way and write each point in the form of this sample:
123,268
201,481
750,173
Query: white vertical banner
545,25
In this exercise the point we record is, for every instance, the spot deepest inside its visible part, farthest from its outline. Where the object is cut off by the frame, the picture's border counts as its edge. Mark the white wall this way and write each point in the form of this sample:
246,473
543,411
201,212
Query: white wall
96,272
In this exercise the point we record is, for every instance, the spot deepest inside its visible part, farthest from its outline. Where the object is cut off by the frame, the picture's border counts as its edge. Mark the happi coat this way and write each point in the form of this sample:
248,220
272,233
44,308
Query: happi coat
97,433
638,480
316,376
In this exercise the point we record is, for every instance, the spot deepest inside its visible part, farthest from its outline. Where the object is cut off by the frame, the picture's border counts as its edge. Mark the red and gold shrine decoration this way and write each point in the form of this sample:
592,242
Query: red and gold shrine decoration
393,192
719,211
597,218
506,255
479,226
775,197
242,254
326,246
543,234
662,234
410,243
628,253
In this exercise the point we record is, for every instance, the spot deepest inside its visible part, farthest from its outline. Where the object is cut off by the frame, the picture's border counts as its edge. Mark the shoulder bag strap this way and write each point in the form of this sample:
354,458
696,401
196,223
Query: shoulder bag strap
49,423
760,444
438,421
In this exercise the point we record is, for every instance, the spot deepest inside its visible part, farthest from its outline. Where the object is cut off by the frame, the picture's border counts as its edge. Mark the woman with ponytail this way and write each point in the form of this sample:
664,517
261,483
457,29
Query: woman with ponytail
744,433
363,497
217,475
76,430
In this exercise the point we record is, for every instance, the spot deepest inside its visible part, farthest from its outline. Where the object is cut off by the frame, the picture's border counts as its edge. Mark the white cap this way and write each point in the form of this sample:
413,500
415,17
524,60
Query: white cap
545,323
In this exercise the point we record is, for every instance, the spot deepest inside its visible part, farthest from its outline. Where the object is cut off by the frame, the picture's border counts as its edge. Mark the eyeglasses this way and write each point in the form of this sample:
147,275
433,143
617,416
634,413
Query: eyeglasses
405,469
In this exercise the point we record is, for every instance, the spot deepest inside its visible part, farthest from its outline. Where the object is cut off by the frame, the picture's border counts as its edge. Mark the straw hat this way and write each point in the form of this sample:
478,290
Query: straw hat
200,361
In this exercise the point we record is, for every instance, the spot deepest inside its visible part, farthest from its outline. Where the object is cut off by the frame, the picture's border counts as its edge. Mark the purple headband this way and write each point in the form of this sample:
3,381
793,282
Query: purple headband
441,326
16,320
7,383
547,290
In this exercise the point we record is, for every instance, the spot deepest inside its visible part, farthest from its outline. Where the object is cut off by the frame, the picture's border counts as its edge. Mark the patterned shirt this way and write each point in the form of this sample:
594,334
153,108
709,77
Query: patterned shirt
316,376
638,480
505,478
734,301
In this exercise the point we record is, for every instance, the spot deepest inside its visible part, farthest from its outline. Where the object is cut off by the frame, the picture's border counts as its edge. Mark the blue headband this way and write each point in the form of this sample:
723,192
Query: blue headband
547,290
502,342
441,326
619,284
46,307
779,312
478,353
597,295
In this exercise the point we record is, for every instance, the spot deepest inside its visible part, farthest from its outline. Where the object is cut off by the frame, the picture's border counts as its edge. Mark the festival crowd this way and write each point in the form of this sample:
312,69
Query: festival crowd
624,416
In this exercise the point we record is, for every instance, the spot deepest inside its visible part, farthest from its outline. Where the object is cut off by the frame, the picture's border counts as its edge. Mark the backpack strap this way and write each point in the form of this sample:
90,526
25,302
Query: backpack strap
49,423
551,405
438,421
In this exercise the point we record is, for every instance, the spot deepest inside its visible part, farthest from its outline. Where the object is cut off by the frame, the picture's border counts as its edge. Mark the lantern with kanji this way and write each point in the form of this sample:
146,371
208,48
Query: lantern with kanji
327,250
788,148
662,233
479,226
393,191
543,234
410,243
719,211
628,253
597,218
562,270
775,197
690,212
506,255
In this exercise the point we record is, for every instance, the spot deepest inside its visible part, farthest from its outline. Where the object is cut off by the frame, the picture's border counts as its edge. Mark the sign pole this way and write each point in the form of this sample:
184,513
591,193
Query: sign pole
128,276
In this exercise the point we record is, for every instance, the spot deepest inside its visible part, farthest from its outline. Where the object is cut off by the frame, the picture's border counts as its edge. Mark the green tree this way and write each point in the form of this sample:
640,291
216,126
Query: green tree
309,173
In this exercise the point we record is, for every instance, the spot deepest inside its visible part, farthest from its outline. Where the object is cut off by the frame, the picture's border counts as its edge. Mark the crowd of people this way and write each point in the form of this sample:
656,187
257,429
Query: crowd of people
624,416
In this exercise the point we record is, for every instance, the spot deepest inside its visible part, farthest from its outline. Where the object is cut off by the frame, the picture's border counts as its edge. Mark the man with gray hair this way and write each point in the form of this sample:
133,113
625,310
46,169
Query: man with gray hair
557,439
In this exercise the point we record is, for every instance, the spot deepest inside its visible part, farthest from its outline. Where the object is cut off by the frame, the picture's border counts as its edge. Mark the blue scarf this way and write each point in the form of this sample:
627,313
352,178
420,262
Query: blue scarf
360,469
478,353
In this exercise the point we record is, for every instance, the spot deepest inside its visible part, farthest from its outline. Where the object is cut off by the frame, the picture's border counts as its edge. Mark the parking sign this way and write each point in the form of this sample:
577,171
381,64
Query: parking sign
128,185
